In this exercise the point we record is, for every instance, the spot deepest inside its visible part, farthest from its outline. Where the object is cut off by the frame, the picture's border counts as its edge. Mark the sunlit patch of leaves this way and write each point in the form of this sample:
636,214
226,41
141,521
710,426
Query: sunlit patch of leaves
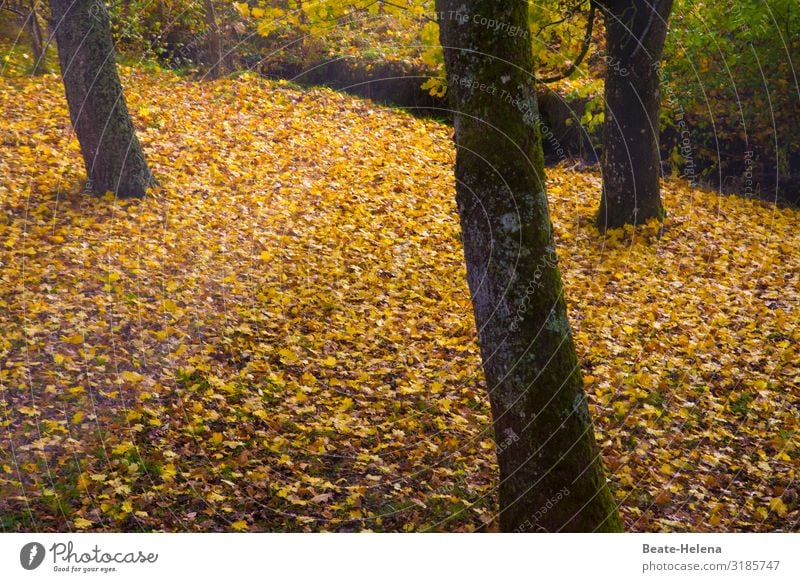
280,336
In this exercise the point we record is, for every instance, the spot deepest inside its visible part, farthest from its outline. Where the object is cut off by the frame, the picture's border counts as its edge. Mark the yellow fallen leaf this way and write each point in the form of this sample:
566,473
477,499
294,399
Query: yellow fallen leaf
122,448
168,472
82,523
132,377
318,446
777,505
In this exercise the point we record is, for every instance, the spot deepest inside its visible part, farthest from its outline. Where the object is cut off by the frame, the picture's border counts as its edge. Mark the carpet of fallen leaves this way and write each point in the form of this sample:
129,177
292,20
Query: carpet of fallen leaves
280,337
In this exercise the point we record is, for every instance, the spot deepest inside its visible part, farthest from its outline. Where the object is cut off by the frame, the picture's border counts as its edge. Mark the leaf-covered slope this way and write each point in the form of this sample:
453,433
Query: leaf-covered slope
280,337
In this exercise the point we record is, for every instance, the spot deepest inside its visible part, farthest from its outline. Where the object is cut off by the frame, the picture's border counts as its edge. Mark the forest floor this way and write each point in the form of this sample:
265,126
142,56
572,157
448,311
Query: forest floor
280,337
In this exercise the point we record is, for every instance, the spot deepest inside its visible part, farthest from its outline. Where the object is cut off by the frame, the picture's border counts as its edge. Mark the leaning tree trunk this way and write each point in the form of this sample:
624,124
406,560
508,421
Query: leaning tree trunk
635,33
111,151
551,476
38,44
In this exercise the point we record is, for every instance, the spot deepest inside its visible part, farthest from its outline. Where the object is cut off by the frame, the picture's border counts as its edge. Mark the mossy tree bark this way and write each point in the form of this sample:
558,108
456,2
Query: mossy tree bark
631,163
38,44
111,151
551,476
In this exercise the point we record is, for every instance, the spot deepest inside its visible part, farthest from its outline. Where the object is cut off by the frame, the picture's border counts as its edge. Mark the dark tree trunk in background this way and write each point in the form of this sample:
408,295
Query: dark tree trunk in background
111,151
215,53
551,476
38,43
635,33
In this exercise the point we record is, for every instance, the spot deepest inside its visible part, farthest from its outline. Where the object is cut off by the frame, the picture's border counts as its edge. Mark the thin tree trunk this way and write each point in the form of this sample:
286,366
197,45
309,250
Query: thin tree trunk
37,42
111,151
215,53
551,476
635,33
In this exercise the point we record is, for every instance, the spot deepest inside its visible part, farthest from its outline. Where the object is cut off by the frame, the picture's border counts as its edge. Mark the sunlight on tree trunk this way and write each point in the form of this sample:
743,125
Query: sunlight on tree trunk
631,163
111,151
551,476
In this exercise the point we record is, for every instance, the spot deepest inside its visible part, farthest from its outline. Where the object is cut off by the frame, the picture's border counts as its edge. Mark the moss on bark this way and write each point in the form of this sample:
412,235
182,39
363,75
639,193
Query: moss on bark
38,47
535,388
111,151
